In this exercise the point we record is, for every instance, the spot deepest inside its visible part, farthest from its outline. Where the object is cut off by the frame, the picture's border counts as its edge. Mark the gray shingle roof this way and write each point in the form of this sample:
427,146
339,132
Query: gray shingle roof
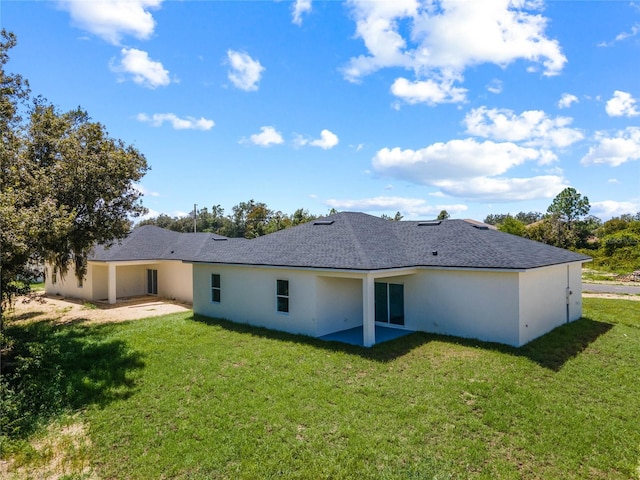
357,241
153,243
351,241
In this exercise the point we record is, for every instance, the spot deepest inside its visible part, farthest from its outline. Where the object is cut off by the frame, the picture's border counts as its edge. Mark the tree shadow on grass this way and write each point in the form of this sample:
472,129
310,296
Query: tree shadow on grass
48,369
551,351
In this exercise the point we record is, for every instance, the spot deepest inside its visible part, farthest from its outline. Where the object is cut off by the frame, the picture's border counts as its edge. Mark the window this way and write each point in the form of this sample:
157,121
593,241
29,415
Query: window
80,282
282,296
54,277
215,287
152,282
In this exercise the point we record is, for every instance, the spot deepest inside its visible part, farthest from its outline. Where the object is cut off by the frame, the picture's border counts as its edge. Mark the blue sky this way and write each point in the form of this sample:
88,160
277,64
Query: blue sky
411,106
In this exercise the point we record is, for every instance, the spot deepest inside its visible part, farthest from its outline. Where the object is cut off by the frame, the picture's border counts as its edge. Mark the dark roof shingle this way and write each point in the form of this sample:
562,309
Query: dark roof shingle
350,241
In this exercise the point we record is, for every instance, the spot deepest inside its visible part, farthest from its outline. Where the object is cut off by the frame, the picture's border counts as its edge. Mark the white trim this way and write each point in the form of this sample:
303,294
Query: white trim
212,287
382,273
287,296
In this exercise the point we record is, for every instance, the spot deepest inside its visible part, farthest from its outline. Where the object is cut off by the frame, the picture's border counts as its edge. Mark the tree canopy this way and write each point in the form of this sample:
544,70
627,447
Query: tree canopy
248,219
65,184
614,245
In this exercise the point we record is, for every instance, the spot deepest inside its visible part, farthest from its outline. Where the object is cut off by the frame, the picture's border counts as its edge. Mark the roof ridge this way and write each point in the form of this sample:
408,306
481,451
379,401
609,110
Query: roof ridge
362,254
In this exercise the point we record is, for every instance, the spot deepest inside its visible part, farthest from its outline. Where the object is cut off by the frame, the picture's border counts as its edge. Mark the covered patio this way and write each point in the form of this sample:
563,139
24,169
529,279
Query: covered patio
354,336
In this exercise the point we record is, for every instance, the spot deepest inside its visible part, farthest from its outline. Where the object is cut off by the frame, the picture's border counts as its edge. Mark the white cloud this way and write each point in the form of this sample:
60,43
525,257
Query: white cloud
611,208
460,159
409,207
299,8
533,127
622,104
146,192
567,100
326,141
495,86
444,37
150,214
635,29
429,91
187,123
245,72
144,71
505,189
616,150
113,19
469,169
268,136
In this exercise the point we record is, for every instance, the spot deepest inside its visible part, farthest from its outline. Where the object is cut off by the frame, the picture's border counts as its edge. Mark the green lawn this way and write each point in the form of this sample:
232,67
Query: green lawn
189,397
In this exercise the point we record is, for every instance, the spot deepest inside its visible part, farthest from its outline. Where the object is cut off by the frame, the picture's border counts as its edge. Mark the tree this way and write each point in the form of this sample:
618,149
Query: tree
396,218
512,226
569,206
443,215
65,184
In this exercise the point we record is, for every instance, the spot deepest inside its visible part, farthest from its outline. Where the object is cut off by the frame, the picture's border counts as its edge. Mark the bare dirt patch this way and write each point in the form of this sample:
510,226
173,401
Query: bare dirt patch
65,310
61,452
612,296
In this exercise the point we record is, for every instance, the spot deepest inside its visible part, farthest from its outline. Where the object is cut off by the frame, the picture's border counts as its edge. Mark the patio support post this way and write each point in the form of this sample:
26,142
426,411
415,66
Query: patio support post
111,286
368,312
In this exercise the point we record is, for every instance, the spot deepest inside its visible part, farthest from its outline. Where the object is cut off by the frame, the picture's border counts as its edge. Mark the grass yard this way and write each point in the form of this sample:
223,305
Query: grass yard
188,397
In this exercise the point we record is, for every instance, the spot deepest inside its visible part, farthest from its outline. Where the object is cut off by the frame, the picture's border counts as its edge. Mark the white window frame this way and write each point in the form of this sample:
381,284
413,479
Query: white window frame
282,296
216,289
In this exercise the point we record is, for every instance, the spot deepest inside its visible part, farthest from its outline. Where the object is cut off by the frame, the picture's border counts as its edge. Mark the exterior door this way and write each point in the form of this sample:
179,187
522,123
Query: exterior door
152,282
389,303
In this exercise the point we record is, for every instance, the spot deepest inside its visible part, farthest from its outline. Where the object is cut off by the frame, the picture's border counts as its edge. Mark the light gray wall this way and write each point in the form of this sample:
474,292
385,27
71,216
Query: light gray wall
471,304
339,304
543,299
248,295
505,307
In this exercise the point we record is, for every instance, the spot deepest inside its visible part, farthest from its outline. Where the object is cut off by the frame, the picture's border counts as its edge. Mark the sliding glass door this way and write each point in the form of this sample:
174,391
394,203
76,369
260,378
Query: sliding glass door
389,303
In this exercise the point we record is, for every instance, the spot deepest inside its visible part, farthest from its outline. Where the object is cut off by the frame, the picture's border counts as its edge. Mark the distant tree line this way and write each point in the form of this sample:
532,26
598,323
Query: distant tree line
613,245
247,220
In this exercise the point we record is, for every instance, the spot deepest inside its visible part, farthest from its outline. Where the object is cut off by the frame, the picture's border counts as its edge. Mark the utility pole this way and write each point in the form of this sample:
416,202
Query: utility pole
194,218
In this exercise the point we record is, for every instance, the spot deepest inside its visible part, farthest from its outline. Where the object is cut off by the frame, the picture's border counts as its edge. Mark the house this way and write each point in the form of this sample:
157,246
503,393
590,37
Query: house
355,271
148,261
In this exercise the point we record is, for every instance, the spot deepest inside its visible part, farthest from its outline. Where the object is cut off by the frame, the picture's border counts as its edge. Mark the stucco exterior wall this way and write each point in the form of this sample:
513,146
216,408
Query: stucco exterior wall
99,281
248,295
545,302
175,280
498,306
67,285
339,304
575,285
132,280
471,304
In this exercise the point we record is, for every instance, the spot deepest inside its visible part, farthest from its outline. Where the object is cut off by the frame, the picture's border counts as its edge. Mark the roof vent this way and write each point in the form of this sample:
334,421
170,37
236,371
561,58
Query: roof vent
323,222
219,239
481,227
434,253
432,223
